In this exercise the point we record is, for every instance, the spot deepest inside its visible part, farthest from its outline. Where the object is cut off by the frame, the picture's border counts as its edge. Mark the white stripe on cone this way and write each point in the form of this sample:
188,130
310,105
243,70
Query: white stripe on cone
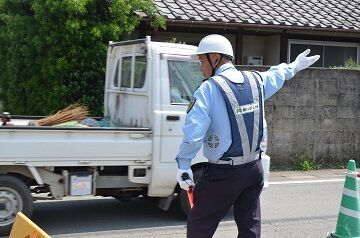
349,212
352,174
351,193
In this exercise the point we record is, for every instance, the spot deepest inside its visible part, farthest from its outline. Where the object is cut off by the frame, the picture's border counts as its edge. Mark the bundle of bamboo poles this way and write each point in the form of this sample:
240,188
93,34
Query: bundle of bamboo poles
74,112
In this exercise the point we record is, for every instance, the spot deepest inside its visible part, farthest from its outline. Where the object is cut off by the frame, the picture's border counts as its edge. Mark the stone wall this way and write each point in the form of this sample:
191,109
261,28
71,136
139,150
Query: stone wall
316,116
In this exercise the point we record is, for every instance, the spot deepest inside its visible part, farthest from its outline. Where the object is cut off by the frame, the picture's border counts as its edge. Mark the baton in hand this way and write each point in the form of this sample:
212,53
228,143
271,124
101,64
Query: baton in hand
185,176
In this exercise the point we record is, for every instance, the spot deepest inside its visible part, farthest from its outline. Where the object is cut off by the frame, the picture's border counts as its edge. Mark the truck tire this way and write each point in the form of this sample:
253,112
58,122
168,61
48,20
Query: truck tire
15,197
183,200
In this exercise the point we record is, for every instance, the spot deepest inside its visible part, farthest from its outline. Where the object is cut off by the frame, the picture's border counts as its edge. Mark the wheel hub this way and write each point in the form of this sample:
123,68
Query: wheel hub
10,204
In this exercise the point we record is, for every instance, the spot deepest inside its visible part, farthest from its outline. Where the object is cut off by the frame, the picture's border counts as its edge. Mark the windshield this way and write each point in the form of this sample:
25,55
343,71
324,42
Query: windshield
185,78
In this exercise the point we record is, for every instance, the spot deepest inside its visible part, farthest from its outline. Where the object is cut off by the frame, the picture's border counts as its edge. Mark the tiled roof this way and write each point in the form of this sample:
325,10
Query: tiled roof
330,14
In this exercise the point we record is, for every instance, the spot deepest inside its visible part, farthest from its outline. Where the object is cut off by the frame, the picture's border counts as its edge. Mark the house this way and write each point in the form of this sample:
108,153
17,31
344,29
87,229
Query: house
266,32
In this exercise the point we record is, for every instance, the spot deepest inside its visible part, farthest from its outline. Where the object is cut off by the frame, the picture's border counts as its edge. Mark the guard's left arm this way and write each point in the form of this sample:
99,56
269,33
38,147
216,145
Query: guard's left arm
197,122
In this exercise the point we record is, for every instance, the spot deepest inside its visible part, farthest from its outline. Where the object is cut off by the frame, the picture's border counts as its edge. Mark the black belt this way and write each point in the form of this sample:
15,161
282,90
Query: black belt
238,162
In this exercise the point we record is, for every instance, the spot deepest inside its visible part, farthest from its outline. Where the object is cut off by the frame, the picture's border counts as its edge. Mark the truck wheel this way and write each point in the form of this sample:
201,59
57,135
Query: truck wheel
15,197
183,200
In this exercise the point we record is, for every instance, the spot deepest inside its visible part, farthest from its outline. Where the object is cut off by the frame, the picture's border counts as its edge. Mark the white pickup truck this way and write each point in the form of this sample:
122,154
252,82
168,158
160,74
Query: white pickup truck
147,90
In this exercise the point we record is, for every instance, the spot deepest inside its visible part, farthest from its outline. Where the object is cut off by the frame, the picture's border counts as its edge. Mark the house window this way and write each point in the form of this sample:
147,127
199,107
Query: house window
331,53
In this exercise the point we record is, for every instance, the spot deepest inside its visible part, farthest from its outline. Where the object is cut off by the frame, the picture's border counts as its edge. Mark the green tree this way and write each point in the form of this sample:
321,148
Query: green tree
53,52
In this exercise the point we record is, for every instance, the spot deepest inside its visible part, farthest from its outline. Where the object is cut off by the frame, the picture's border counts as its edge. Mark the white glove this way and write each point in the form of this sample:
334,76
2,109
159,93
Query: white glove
302,62
185,184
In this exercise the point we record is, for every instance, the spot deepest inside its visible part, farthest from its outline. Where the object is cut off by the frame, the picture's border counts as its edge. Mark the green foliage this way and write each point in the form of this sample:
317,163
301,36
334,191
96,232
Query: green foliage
53,52
304,162
349,64
175,40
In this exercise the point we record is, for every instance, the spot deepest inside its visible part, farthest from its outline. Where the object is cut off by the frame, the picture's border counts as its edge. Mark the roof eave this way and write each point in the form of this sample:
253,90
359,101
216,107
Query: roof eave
257,26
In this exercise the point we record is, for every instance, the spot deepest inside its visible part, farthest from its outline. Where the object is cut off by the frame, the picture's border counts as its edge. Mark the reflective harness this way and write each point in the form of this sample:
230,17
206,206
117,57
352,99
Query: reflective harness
245,106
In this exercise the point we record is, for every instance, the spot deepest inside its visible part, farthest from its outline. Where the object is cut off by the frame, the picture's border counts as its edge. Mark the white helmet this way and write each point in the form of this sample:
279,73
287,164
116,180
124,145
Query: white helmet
214,44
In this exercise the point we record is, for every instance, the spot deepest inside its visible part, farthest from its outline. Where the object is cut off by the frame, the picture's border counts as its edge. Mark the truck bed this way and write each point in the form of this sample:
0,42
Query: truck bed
54,146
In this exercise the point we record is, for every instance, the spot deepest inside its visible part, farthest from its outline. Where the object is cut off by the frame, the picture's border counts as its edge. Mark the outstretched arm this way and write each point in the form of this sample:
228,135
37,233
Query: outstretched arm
275,77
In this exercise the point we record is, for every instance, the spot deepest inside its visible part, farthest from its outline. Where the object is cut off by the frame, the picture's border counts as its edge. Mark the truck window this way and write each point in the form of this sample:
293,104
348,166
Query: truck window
116,77
126,72
139,72
185,77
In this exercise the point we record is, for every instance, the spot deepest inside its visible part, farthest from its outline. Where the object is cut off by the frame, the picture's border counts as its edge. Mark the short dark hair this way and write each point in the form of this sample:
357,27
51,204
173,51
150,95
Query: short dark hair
227,58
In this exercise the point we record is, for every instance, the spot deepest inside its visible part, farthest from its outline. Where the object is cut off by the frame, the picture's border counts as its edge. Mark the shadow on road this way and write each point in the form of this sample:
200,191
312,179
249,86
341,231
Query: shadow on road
104,214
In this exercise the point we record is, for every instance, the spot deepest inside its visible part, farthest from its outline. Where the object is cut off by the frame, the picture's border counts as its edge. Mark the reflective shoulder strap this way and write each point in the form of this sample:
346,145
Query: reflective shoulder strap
257,114
260,88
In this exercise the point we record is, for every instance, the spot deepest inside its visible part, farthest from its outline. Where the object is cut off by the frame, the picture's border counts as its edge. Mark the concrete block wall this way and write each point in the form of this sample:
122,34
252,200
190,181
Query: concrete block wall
315,114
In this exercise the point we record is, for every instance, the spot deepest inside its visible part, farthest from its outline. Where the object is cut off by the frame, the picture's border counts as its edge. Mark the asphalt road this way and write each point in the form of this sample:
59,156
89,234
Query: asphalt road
295,205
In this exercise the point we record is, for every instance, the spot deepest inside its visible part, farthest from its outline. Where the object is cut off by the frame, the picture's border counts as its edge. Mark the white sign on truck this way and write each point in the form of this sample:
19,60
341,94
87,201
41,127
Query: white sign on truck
147,90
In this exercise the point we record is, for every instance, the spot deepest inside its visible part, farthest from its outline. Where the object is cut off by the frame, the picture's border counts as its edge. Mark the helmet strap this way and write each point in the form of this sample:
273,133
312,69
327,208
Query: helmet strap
213,69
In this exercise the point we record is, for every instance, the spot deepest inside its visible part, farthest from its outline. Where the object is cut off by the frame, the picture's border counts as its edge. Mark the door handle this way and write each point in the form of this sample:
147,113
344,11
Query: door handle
137,136
172,118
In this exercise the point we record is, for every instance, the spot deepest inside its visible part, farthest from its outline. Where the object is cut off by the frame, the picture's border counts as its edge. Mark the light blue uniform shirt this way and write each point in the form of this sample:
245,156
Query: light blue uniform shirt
207,123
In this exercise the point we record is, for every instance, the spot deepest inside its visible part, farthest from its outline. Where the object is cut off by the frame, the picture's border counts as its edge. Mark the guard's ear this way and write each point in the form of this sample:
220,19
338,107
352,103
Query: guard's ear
217,58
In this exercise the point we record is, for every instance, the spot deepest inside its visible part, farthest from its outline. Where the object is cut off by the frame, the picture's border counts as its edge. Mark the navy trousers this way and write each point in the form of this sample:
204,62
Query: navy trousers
219,188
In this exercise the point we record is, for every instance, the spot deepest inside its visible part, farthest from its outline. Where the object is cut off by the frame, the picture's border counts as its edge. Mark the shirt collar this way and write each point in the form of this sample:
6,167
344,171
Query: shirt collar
229,71
224,67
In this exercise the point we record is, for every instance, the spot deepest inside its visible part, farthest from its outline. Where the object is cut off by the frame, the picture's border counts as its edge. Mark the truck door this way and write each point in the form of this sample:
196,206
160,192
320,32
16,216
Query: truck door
184,77
176,77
